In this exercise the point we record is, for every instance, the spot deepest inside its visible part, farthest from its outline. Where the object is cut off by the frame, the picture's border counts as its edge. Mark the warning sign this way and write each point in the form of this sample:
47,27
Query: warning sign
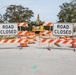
8,29
65,29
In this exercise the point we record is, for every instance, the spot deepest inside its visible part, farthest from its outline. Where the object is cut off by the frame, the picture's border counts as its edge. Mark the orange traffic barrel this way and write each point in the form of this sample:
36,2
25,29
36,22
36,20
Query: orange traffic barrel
31,40
24,44
31,37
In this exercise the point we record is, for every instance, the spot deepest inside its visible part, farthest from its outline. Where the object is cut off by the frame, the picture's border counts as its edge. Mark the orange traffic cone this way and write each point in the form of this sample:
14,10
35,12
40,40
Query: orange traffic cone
24,44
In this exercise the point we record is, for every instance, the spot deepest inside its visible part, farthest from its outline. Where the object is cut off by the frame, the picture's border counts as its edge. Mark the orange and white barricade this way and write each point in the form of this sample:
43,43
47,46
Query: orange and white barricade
47,32
23,24
22,40
60,42
14,41
23,34
24,44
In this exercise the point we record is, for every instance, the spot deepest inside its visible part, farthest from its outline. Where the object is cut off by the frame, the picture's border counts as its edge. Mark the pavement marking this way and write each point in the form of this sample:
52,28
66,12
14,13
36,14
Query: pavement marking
40,55
34,67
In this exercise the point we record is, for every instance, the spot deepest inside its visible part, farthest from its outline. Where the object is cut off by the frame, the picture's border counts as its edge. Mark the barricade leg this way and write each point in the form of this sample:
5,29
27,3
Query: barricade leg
20,47
74,45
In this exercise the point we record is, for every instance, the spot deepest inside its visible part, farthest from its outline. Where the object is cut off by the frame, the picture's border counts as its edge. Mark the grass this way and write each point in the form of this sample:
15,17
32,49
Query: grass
9,37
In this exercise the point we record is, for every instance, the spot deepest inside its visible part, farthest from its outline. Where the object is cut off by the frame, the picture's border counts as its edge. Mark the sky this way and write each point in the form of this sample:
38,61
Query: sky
47,9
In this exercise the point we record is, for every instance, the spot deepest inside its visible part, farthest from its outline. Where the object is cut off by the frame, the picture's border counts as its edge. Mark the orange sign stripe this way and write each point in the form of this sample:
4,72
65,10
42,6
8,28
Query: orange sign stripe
49,24
51,41
19,40
65,41
12,41
26,41
19,32
25,23
73,41
5,41
44,40
26,33
58,41
49,32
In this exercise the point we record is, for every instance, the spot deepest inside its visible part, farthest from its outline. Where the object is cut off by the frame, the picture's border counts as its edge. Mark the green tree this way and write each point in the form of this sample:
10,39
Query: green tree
73,0
18,13
67,12
1,20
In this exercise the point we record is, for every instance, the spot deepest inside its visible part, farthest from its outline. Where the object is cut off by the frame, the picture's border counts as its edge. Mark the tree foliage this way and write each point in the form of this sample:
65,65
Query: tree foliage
67,12
18,13
73,0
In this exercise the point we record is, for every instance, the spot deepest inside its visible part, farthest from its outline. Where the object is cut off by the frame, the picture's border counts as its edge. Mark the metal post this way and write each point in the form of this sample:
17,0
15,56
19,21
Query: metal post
49,38
20,38
75,43
74,38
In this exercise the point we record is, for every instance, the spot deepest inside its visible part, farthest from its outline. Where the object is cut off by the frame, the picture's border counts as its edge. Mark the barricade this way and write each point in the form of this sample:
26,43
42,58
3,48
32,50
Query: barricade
23,37
62,43
45,31
23,24
17,40
20,38
58,42
23,34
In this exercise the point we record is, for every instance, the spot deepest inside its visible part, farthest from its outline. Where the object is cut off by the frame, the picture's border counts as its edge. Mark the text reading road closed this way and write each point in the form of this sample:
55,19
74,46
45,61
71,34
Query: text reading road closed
63,29
8,29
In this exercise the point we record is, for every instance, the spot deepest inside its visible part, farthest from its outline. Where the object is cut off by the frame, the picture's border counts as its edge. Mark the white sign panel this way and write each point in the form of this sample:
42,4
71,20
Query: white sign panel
8,29
65,29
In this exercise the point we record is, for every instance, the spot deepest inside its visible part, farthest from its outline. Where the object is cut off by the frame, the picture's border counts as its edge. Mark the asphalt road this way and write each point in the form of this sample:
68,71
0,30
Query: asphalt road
36,60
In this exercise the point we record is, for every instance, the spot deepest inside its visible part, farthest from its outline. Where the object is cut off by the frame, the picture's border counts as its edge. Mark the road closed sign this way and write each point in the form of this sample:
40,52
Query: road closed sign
8,29
65,29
